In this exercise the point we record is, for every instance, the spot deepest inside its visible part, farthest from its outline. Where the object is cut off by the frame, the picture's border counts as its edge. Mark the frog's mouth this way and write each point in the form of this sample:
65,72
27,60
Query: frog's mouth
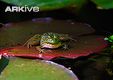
51,46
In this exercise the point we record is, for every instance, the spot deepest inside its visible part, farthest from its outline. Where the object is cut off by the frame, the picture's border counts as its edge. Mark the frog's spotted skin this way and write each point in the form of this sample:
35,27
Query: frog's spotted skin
50,40
47,40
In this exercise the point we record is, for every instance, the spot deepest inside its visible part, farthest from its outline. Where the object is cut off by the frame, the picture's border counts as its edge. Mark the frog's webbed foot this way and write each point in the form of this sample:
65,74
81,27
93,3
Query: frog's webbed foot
29,45
65,46
110,72
40,49
32,41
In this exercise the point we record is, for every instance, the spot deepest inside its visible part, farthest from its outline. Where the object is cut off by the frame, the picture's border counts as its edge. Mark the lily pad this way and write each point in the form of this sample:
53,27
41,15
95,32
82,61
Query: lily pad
26,69
104,4
84,46
47,4
12,34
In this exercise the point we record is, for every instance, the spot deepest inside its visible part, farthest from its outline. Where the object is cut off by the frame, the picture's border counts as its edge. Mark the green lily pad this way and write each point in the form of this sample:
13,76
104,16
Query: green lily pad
26,69
3,63
56,4
47,4
104,4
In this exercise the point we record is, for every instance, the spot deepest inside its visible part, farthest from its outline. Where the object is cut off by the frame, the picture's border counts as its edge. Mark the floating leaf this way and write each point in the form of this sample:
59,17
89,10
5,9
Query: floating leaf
12,34
16,34
47,4
26,69
84,46
104,4
3,63
56,4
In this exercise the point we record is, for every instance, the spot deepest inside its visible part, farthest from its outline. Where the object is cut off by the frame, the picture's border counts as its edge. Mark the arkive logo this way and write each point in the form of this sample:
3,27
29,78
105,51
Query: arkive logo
22,9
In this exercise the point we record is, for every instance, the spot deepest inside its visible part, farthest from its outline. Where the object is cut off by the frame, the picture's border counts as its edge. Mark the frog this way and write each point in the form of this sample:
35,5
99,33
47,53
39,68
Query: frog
48,40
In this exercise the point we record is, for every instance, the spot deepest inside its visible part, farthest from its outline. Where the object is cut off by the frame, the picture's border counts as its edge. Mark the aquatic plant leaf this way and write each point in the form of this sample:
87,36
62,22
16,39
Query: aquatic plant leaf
84,46
3,63
27,69
104,4
47,4
12,34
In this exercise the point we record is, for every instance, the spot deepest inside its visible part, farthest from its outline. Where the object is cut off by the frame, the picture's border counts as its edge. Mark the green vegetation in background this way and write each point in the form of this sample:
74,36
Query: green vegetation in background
110,40
104,4
46,4
56,4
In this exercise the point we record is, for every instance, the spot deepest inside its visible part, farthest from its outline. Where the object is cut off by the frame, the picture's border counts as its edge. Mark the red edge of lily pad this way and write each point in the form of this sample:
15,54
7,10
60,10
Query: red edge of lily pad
32,53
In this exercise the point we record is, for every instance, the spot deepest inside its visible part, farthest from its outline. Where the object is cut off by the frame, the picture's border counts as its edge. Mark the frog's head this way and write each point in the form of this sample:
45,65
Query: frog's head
50,40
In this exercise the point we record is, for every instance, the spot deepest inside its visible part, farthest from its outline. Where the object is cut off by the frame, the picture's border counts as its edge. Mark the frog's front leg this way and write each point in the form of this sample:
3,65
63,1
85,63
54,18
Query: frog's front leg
35,40
65,46
40,49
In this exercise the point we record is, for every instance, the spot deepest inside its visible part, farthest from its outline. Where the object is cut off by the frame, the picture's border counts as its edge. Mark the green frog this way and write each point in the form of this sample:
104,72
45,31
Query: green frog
48,40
